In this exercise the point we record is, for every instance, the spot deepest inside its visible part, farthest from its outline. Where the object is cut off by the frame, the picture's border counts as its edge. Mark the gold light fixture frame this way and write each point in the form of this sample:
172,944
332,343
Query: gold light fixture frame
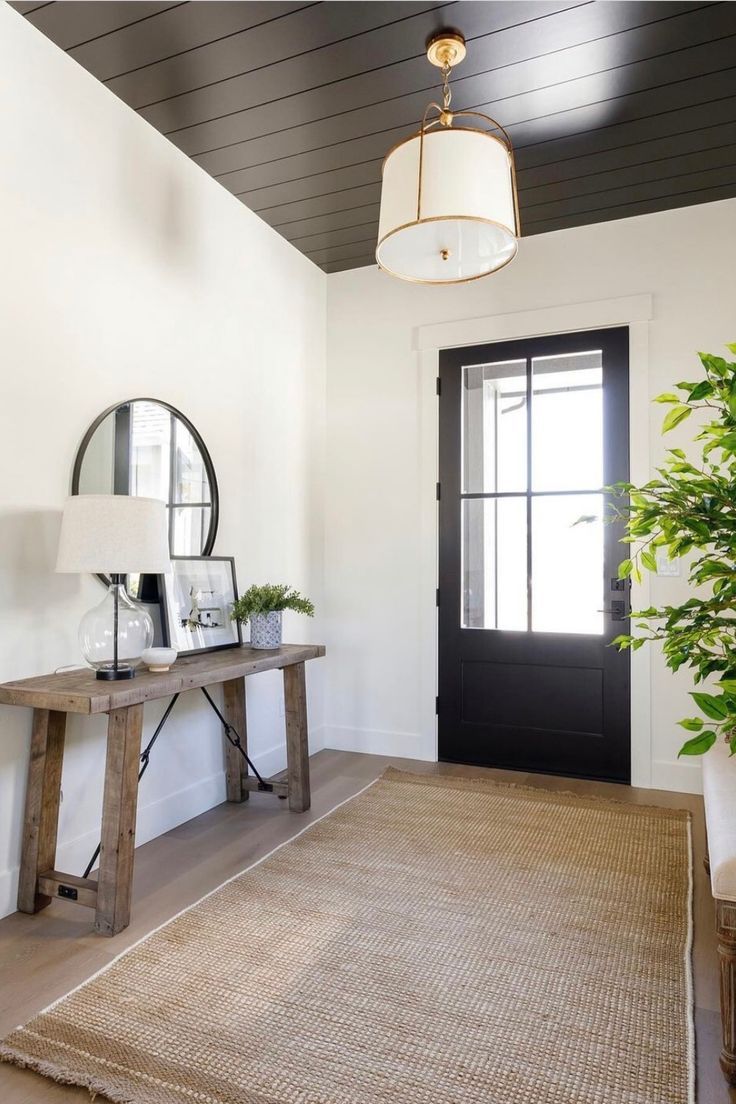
445,51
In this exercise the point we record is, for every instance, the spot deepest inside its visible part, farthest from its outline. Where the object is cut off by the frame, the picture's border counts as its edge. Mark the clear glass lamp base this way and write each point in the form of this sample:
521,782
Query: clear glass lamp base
97,635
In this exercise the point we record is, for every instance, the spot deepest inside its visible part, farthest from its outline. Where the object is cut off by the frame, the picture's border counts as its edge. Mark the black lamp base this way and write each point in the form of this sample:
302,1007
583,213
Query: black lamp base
113,674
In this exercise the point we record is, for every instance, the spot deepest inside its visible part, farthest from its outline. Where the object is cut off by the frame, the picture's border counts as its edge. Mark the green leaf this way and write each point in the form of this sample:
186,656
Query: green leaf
625,568
731,349
667,397
732,744
715,708
692,724
698,745
727,442
714,363
728,685
676,415
649,561
700,391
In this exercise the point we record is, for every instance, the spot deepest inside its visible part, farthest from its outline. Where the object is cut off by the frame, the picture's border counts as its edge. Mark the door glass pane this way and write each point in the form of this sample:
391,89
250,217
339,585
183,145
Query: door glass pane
190,477
494,421
150,432
567,564
494,592
567,422
190,525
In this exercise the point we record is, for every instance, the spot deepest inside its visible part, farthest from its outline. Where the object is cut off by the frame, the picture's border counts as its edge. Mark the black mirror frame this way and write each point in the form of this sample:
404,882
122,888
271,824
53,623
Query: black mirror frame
209,466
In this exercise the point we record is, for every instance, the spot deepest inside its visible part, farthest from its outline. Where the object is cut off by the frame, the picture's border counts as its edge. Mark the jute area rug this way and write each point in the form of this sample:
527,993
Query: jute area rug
435,940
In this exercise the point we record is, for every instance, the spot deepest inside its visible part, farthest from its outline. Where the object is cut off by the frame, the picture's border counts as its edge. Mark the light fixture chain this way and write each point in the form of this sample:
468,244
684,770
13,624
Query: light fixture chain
446,92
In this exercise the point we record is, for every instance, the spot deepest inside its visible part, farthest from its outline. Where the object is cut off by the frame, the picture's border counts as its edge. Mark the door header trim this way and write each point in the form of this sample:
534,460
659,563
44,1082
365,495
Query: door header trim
567,317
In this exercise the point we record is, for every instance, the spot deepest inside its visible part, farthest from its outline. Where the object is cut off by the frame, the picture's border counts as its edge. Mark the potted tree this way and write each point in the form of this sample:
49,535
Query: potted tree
263,606
690,508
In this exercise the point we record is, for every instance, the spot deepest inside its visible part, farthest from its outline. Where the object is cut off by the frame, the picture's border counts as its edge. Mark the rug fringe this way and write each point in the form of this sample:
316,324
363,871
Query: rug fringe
62,1076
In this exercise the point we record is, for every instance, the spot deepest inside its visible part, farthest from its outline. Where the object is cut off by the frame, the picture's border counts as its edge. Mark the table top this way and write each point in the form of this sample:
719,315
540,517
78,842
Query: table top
79,691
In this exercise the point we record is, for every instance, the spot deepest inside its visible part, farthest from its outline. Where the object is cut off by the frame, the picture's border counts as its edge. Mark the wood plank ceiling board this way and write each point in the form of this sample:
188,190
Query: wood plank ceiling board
25,7
74,22
614,108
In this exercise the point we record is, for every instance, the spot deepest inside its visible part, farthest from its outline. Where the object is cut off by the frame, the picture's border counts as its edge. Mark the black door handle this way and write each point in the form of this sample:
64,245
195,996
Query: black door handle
617,610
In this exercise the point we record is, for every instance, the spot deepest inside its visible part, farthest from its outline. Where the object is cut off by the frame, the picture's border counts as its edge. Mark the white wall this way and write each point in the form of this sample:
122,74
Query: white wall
381,469
127,271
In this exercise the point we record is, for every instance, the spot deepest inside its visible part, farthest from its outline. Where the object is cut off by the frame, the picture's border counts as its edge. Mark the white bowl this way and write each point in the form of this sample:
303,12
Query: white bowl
159,659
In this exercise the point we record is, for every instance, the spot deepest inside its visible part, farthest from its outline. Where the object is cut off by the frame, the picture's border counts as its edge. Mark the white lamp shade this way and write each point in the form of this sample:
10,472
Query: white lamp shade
459,221
113,535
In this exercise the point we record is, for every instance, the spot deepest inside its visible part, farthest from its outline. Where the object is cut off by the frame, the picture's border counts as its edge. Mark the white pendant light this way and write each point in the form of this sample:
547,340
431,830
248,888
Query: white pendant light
449,210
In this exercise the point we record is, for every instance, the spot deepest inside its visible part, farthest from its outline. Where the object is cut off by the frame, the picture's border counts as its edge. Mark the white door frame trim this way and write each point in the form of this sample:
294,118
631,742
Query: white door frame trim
633,311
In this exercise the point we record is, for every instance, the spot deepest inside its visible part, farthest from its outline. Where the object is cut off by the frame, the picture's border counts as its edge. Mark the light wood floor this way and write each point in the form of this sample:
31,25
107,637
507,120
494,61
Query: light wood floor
42,957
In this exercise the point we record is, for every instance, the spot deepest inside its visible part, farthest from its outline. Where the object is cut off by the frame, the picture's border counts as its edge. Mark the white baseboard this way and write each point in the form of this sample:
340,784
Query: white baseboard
405,745
8,891
157,817
681,776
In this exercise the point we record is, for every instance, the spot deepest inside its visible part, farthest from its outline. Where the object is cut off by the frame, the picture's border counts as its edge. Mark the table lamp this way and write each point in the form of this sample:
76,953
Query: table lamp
114,535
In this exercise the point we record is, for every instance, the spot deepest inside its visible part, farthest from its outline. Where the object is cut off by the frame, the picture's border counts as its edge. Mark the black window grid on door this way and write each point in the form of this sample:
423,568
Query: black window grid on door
526,395
614,345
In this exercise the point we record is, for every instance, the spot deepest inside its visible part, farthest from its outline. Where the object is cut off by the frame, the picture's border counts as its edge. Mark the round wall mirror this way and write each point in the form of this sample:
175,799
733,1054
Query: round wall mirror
146,447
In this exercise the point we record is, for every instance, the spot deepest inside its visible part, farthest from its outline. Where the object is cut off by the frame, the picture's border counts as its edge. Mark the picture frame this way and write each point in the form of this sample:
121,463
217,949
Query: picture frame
197,596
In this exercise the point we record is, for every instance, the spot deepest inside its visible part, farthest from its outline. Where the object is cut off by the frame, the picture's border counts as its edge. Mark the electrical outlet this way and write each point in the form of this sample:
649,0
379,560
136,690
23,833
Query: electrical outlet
667,568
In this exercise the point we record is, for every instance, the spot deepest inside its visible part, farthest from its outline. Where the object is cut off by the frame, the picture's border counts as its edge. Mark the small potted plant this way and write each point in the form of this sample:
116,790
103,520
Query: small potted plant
263,606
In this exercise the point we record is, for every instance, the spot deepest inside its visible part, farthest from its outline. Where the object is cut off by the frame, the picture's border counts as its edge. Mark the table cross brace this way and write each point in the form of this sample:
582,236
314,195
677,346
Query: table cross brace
231,735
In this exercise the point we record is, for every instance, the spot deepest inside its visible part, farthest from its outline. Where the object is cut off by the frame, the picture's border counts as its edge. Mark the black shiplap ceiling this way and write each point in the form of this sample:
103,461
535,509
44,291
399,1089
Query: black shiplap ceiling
615,107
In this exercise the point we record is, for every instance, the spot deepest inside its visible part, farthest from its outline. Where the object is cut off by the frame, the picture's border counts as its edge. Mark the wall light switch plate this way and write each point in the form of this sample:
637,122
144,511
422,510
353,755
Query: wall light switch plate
665,566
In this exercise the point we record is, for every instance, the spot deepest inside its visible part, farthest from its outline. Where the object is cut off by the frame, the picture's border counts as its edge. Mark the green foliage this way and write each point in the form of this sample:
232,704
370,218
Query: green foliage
691,509
270,598
698,745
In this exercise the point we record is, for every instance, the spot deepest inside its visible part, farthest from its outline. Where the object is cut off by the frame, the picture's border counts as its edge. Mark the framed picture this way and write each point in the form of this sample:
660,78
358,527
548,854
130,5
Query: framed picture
197,597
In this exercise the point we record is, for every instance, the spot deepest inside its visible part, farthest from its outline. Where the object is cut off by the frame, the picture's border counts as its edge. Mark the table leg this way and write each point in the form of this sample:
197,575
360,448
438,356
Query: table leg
43,794
236,768
119,803
297,737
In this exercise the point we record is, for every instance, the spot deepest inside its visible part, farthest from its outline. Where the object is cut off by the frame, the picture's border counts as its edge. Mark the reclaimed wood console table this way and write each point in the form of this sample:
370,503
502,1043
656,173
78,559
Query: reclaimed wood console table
53,696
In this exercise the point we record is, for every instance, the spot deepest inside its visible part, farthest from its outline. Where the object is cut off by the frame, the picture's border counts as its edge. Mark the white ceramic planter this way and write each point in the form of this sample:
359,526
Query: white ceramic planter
265,630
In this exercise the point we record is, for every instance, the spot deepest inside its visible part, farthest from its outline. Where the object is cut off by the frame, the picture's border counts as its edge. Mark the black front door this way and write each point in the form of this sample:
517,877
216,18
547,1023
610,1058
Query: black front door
529,601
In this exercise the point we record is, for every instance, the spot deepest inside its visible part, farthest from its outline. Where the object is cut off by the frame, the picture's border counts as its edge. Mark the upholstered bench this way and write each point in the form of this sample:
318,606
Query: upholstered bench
719,791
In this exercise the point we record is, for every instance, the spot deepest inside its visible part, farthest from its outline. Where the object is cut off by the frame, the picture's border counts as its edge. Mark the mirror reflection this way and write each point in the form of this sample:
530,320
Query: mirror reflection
145,447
